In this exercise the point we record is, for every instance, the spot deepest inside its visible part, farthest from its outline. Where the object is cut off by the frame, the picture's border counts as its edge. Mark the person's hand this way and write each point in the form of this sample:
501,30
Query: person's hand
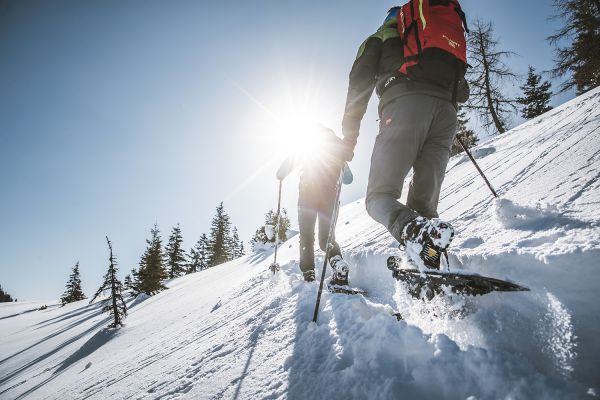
346,149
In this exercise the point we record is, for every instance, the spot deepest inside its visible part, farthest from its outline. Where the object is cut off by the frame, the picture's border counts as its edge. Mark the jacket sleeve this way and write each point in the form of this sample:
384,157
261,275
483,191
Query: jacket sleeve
363,77
286,167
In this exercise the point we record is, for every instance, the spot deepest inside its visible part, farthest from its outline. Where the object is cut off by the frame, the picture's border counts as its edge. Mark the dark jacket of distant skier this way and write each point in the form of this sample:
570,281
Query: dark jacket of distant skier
320,172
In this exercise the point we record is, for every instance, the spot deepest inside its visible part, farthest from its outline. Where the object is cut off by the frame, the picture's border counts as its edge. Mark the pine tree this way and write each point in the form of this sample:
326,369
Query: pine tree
199,255
235,247
127,283
152,272
536,95
580,34
467,135
5,297
175,254
220,238
114,304
132,283
487,76
271,221
73,291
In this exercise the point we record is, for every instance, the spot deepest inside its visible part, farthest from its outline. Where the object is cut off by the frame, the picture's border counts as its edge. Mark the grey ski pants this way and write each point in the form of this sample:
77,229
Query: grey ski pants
415,131
307,219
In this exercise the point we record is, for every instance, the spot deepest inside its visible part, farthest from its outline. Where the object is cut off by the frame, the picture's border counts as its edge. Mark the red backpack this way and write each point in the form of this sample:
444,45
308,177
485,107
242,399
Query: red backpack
433,37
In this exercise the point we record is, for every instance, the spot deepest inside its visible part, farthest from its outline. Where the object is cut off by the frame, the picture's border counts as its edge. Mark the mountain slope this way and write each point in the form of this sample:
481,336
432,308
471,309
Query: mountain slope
234,331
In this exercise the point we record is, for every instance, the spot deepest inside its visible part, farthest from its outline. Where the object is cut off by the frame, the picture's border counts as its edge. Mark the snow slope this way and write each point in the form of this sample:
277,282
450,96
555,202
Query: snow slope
234,331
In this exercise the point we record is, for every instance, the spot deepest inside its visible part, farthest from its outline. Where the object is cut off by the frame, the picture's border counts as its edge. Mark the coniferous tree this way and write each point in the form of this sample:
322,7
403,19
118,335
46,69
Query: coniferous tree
5,297
576,44
237,247
199,255
128,283
114,304
467,135
152,271
220,238
175,254
536,95
73,291
487,77
132,283
271,221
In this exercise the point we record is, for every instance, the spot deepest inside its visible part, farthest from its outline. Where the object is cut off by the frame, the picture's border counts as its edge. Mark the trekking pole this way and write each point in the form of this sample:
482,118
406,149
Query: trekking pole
332,224
476,166
274,266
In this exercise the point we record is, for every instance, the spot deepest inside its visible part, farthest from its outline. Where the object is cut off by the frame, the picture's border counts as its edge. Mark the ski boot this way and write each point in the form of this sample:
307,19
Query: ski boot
340,271
425,240
309,276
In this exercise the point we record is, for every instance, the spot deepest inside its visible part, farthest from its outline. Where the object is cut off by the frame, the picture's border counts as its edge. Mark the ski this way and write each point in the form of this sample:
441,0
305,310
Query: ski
430,283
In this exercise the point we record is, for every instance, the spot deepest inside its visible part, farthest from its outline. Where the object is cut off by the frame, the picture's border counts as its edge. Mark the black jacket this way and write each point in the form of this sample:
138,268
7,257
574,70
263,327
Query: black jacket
376,67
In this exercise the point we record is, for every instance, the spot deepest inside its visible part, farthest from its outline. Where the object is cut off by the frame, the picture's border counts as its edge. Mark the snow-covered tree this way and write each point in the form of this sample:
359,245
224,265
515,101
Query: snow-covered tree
73,291
536,95
237,246
487,78
271,221
576,44
114,304
468,136
220,238
199,255
152,271
175,253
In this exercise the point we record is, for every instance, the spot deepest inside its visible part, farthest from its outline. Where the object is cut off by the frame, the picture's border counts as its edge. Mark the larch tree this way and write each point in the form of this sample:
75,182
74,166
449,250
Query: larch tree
487,77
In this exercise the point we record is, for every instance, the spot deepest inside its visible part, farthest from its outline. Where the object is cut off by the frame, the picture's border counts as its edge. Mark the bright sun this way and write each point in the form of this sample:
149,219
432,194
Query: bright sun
296,131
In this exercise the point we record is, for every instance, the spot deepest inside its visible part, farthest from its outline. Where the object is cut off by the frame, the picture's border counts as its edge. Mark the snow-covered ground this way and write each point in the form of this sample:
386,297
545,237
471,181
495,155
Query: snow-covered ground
234,331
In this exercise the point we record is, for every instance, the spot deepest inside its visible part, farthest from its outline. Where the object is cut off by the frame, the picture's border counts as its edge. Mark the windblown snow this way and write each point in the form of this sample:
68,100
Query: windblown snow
237,332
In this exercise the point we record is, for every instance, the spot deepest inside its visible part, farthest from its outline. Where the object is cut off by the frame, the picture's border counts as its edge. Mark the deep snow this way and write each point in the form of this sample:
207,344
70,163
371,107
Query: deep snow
235,331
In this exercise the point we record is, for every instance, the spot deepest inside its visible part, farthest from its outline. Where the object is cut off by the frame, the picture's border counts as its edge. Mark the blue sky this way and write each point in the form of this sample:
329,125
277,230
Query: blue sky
118,114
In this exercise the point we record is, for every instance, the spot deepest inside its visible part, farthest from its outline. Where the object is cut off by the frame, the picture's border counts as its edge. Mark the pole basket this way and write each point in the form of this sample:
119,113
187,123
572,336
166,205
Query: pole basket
274,267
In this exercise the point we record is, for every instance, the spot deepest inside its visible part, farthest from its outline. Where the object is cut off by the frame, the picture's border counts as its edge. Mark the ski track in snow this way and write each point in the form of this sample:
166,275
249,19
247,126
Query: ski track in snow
238,332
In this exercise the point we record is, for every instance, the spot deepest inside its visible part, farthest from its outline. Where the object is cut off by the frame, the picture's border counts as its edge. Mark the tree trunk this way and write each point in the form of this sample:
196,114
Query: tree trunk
488,92
114,300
